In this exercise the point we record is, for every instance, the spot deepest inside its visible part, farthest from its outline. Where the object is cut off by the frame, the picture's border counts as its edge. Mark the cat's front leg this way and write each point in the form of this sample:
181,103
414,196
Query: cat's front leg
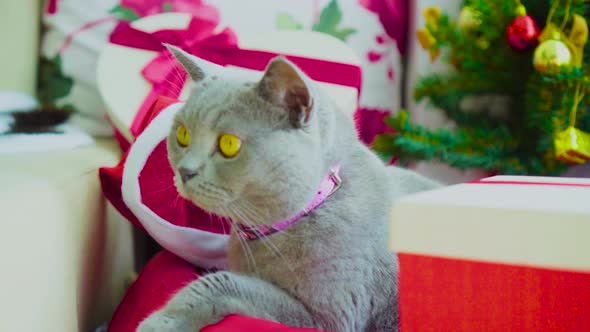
212,297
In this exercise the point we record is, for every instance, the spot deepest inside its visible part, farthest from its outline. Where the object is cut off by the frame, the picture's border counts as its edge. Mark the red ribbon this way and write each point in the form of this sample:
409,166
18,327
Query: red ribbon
51,7
200,39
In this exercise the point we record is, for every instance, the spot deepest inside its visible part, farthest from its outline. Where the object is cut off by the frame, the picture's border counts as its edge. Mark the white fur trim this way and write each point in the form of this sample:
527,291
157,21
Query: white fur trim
204,249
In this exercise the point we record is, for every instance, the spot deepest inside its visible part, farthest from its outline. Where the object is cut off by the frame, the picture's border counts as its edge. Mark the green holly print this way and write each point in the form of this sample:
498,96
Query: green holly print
124,13
329,22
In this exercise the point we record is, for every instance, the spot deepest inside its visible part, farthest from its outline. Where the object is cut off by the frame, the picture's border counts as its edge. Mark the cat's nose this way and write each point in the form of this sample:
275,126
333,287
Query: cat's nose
187,173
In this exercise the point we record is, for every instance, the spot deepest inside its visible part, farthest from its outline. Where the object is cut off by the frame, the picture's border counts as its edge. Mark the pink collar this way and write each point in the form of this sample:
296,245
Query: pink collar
330,184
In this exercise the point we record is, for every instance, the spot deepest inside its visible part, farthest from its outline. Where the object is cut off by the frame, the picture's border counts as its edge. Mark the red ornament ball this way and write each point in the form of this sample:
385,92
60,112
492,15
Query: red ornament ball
522,33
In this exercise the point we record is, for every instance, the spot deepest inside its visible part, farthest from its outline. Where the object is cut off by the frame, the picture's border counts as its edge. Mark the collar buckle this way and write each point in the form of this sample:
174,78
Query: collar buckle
335,177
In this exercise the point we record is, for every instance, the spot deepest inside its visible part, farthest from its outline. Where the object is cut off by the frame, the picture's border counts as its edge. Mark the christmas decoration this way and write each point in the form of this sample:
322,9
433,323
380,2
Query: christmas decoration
577,38
539,131
468,18
505,262
573,145
425,37
522,33
551,56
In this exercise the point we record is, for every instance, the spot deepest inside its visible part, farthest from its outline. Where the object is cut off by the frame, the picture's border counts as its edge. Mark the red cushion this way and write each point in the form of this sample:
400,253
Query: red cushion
161,278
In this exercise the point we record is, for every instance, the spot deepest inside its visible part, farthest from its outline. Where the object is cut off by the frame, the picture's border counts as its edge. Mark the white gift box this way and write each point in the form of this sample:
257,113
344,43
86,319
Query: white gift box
124,88
502,253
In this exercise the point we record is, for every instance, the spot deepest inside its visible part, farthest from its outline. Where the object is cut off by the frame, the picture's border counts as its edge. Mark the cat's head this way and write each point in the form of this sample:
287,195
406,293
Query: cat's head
248,149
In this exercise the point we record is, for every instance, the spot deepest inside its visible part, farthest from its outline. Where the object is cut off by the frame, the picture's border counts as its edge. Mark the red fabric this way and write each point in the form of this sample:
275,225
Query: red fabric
111,179
160,279
235,323
439,294
159,104
124,144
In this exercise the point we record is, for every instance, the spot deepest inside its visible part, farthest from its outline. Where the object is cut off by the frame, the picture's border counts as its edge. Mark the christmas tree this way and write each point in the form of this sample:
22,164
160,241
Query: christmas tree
533,54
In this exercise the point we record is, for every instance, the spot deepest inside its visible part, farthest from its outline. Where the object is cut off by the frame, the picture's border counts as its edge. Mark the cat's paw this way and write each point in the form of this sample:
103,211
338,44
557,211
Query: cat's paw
162,321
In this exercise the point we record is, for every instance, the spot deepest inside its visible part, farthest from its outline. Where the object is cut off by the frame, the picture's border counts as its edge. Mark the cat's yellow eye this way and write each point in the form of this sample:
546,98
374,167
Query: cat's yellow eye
182,136
229,145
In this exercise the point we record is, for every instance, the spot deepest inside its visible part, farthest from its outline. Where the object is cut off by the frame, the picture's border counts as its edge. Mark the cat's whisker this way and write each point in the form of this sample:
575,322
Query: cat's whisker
174,85
210,221
248,251
223,222
165,188
264,239
216,187
215,190
241,245
175,201
257,214
175,71
254,211
284,232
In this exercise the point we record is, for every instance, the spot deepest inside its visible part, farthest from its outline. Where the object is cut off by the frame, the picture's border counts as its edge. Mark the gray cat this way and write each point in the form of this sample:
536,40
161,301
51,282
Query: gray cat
256,153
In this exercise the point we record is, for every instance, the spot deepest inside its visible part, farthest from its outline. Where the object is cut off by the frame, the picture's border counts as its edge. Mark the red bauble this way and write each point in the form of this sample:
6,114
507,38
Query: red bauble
522,33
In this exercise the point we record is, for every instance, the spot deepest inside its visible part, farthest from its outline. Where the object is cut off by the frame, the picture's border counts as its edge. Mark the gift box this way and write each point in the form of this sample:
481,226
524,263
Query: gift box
506,253
135,68
76,31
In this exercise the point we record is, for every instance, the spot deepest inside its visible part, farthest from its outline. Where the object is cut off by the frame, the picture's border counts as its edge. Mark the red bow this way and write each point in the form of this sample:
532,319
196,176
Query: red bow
164,74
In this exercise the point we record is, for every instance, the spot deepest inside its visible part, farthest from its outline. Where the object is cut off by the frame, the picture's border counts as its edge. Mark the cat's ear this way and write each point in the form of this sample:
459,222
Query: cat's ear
285,86
189,62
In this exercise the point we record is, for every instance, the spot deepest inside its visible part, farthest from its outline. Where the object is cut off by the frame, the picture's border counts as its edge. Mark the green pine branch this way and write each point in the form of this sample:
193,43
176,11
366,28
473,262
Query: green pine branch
540,104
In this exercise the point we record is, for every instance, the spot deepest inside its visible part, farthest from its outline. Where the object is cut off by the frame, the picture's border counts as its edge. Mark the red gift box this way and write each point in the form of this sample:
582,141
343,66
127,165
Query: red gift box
501,254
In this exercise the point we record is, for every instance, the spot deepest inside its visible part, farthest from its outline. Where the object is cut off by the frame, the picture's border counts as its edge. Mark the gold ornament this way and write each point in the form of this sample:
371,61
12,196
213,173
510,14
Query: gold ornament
428,41
577,38
520,10
432,15
558,51
468,18
552,56
482,43
572,146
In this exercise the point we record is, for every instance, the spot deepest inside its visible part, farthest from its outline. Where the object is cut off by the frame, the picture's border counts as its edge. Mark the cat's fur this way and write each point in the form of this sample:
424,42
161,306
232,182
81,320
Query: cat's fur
331,270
